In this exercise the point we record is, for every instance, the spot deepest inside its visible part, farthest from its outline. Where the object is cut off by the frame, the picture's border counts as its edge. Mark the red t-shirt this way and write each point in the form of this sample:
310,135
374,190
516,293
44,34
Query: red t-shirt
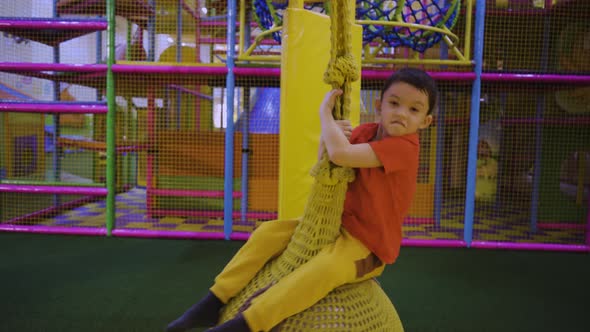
379,198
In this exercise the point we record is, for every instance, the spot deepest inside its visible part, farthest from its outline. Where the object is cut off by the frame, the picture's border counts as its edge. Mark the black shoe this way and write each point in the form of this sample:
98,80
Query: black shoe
201,314
237,324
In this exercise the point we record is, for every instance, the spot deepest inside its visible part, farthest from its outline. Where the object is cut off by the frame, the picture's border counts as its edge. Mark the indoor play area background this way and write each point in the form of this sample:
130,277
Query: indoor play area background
170,133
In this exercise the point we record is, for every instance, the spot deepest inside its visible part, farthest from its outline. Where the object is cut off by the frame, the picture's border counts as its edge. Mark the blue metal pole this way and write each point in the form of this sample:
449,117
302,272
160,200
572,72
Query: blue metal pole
440,127
245,131
498,201
438,175
480,10
151,27
179,59
537,165
98,92
228,205
245,152
539,131
56,157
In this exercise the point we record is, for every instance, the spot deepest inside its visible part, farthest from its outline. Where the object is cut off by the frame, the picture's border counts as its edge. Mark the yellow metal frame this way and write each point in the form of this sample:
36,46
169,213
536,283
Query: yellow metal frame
370,54
246,55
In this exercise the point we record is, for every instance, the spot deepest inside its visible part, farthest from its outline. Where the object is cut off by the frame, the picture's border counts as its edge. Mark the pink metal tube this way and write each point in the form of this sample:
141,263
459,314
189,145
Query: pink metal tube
212,214
144,233
170,70
57,24
434,243
535,78
257,72
54,108
529,246
465,77
91,231
190,193
60,190
26,66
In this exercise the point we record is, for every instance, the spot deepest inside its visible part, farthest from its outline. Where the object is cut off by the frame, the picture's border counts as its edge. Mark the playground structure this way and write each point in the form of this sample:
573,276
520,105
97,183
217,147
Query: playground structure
196,150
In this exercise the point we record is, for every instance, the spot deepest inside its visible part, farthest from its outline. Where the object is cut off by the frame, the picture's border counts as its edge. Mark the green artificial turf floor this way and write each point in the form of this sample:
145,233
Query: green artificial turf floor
67,283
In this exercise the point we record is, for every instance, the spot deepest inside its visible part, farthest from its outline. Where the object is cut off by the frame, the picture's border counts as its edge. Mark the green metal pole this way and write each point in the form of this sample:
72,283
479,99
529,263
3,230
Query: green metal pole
111,119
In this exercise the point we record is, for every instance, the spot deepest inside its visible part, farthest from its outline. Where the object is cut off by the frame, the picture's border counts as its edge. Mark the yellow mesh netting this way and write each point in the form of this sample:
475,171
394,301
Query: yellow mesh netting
361,306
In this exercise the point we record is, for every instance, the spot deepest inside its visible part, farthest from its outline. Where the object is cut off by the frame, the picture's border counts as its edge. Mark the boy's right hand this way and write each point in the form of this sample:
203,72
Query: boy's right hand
328,103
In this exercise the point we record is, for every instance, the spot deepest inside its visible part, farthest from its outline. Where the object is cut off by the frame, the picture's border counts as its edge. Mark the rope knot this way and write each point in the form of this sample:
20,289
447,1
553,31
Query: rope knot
341,69
329,174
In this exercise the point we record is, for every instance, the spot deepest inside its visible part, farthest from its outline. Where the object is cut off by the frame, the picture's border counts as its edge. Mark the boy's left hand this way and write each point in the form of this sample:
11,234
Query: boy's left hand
346,127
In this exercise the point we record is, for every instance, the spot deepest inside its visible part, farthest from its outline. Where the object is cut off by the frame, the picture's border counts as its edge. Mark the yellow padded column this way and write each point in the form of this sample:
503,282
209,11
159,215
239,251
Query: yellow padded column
306,51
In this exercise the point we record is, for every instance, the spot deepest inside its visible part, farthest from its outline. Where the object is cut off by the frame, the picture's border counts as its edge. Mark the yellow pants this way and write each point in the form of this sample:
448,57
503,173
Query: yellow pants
345,261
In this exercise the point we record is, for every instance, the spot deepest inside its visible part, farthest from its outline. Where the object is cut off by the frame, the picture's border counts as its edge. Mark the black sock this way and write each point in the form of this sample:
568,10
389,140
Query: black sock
203,313
237,324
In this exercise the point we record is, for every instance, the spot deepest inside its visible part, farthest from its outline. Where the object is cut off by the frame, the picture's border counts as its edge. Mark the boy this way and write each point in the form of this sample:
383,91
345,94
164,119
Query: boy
385,155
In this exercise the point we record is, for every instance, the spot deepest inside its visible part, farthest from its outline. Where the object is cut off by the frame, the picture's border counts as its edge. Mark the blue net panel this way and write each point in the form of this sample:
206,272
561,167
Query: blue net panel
433,13
269,14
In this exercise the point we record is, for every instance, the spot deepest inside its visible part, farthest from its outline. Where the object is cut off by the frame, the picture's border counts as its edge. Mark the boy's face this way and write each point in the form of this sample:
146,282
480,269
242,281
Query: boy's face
403,110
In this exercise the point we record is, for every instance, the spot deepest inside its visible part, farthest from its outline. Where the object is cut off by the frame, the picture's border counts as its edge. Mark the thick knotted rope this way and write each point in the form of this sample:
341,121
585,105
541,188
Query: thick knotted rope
355,307
342,68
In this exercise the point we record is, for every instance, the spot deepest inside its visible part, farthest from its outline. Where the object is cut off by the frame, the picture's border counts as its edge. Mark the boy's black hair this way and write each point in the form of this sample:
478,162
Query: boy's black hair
418,79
